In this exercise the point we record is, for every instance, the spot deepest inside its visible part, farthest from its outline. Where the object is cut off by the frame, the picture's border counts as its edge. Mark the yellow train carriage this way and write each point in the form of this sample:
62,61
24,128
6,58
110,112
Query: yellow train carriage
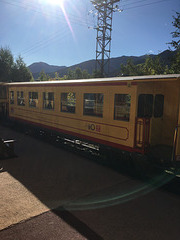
130,113
90,117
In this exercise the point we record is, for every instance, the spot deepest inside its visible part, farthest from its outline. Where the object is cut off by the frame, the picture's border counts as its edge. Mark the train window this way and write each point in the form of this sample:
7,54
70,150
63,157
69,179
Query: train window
11,97
48,100
145,105
158,106
33,99
93,104
122,104
20,98
68,102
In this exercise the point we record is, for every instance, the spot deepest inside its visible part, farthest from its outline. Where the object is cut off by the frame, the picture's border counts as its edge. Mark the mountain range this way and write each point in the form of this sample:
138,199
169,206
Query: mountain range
115,63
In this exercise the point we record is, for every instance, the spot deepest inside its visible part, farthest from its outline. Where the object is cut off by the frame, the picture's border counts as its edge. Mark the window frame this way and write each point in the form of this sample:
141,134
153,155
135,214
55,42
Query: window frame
96,102
11,98
34,100
70,104
20,98
51,102
158,106
143,110
126,118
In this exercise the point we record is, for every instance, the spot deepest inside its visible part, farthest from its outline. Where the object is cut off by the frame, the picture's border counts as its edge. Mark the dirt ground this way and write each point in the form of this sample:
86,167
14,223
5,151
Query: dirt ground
50,193
43,177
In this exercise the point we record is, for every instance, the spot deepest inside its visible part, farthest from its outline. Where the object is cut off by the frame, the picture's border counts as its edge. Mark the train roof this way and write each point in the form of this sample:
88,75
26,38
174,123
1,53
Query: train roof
147,78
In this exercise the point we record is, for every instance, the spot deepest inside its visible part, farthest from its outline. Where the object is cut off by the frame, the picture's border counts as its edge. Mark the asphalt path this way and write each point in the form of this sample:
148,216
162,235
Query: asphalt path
50,193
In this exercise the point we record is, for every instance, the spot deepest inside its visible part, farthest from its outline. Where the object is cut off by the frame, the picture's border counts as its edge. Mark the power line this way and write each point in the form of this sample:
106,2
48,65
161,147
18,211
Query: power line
147,4
133,3
73,18
39,48
126,0
42,42
133,7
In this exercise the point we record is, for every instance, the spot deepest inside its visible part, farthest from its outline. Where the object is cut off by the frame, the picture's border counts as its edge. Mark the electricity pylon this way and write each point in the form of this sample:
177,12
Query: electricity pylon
105,9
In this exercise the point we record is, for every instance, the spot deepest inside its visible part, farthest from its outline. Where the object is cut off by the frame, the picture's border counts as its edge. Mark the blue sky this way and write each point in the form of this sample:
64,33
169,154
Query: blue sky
62,34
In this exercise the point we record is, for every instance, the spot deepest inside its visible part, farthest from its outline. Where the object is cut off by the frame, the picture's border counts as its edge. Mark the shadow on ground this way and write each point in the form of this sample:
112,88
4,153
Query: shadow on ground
64,181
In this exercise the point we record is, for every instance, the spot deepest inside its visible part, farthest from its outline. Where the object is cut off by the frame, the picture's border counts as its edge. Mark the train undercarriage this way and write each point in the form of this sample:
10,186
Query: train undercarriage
157,159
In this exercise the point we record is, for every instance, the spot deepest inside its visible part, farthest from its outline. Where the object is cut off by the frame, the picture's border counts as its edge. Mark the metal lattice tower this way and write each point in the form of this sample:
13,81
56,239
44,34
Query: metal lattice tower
105,9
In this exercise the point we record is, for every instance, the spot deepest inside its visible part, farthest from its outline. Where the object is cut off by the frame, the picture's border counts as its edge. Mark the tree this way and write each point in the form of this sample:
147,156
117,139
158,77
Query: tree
13,71
78,73
148,66
70,74
176,33
20,73
154,65
85,74
151,66
43,76
56,75
97,74
129,69
6,64
175,66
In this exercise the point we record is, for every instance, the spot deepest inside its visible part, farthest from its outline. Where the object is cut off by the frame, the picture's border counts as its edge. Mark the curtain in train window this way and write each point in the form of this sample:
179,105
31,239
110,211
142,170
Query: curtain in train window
68,102
158,106
11,97
122,104
33,99
48,100
93,104
20,98
145,105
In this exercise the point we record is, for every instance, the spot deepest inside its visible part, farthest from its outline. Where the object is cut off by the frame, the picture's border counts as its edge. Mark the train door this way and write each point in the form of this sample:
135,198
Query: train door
158,121
176,144
149,119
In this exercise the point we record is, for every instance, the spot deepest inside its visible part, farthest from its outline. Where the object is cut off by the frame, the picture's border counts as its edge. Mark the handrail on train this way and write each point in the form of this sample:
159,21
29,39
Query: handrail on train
173,158
142,134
